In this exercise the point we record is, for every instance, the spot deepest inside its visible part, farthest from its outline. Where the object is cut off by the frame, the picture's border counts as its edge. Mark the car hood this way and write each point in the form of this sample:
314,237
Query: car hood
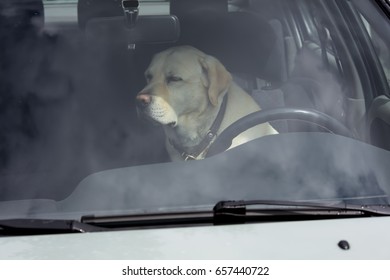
280,241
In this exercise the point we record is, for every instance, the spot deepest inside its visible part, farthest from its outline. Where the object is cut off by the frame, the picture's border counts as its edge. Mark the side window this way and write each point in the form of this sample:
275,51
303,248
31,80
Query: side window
381,49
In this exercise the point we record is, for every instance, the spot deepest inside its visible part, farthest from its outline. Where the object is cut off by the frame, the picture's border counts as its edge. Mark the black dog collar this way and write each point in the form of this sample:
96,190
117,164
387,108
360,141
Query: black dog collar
191,153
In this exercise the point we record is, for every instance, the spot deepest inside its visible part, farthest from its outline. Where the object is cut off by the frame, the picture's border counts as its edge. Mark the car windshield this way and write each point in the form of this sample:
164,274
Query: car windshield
111,106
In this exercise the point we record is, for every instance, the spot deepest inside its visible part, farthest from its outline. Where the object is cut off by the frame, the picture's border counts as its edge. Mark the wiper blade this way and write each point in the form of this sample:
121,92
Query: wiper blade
150,219
228,212
43,226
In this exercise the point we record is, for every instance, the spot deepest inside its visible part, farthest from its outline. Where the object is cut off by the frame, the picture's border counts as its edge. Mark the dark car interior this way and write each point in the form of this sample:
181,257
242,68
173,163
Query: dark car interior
70,91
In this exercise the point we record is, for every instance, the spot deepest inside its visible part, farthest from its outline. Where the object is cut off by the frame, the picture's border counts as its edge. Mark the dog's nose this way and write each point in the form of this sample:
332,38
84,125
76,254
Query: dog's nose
144,99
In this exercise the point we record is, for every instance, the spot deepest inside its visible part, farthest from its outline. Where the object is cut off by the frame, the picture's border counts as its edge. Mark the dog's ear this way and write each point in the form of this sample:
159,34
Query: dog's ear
219,79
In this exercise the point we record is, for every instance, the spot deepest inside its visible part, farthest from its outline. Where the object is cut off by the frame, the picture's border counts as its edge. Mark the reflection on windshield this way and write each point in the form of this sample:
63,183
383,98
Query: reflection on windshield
95,106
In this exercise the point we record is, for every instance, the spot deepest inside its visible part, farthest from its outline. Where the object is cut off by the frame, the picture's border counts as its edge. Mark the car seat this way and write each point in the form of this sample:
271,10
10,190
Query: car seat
228,36
248,46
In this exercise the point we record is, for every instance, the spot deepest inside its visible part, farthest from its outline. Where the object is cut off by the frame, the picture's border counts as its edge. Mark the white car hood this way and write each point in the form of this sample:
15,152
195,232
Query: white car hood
368,239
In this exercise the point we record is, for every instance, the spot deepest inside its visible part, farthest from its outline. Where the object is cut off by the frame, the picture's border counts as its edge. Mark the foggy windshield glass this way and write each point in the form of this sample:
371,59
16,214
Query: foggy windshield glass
161,109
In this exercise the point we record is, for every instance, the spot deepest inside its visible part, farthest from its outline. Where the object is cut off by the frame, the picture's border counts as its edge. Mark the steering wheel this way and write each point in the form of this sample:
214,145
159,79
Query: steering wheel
224,140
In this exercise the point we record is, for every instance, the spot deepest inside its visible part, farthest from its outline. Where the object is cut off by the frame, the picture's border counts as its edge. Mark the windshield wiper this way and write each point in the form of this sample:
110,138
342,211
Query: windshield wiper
234,212
224,212
43,226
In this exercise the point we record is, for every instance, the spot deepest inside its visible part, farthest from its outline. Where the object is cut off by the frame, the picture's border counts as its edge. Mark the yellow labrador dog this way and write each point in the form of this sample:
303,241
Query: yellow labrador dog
193,96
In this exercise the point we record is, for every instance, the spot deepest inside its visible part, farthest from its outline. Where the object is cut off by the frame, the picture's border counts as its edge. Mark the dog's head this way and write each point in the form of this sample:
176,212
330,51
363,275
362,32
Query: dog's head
182,81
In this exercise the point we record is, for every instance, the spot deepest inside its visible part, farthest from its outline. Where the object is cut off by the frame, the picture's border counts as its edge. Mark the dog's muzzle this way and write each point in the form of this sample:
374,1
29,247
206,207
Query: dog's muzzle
155,110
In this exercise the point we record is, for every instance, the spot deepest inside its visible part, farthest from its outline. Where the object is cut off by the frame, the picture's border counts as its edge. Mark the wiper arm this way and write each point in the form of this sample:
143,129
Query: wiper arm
228,212
43,226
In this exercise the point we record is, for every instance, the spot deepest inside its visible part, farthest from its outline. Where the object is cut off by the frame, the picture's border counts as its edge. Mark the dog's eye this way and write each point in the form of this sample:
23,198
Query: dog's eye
173,79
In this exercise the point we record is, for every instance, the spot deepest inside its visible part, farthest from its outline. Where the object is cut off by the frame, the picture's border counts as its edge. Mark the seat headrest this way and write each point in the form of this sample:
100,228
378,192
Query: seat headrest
89,9
183,7
21,15
243,42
